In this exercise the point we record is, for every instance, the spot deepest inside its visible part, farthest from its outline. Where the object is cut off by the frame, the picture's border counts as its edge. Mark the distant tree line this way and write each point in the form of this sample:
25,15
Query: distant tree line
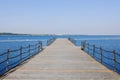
12,34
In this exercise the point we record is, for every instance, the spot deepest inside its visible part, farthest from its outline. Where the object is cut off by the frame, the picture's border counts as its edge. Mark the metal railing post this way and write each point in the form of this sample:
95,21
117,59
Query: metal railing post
82,48
41,48
47,42
100,55
35,48
93,50
38,47
21,54
7,63
29,50
81,44
88,48
114,55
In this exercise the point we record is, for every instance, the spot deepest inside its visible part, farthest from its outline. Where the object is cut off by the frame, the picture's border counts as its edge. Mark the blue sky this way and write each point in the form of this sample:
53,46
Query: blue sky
60,16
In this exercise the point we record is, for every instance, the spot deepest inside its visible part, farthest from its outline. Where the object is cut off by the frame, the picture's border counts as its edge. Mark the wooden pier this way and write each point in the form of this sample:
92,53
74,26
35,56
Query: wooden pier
62,61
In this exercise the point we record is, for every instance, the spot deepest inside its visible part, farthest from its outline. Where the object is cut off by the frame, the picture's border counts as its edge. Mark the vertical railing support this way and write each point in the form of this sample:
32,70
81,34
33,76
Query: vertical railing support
114,55
35,48
82,48
21,54
100,55
7,61
81,44
93,50
41,48
38,47
29,50
47,43
88,48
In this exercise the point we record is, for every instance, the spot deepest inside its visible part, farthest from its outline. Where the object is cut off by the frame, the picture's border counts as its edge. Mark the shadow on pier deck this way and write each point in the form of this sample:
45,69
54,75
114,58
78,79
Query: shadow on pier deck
62,61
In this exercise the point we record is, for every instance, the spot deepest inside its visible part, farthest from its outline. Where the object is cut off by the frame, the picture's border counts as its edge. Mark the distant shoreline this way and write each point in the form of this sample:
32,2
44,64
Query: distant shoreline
17,34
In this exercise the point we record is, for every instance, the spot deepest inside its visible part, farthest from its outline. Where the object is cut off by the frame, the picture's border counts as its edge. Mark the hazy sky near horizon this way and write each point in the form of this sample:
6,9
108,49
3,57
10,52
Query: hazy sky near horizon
60,16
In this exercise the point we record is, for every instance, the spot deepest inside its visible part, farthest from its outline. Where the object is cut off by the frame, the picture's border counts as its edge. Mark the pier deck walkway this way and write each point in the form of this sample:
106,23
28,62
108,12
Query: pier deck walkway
62,61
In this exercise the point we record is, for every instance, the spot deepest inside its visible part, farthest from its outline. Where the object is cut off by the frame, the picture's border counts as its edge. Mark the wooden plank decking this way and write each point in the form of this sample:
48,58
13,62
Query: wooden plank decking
62,61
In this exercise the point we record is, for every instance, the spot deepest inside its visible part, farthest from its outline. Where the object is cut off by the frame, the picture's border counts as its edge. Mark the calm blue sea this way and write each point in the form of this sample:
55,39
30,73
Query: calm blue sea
111,42
17,41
